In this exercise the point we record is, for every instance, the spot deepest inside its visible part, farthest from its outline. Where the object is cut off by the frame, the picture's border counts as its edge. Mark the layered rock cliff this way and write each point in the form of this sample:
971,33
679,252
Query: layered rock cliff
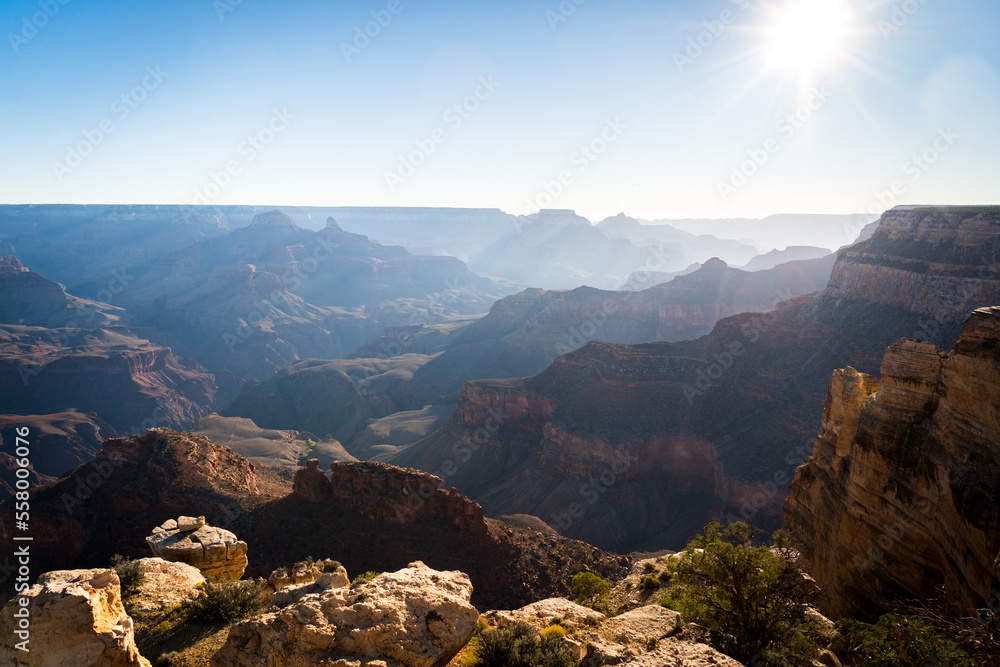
738,405
899,499
59,352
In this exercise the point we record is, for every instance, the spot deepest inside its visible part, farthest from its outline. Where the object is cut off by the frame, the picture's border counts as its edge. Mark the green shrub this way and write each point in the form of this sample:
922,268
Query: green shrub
556,631
587,585
900,641
648,582
519,645
130,572
226,601
652,643
727,584
331,565
364,578
648,567
160,629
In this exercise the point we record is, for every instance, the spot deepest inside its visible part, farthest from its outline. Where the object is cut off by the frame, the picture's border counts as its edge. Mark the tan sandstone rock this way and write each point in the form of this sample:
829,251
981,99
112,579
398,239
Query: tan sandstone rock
164,584
417,617
76,618
214,551
684,654
898,501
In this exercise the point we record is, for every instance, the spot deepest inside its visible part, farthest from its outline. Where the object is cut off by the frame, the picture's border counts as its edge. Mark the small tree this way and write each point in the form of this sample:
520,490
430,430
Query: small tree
729,585
130,572
586,585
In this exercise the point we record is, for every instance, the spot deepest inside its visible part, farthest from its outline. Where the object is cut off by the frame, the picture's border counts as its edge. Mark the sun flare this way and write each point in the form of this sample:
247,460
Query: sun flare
807,33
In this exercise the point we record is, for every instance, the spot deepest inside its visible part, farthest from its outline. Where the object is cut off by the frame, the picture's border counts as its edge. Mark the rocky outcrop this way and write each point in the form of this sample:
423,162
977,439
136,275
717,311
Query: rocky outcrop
163,585
596,640
108,505
383,492
684,654
311,483
416,617
899,499
214,551
715,426
75,617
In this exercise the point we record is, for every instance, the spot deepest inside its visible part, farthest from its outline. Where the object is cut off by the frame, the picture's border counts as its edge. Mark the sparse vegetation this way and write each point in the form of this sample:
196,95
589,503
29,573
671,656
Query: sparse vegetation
130,574
649,582
652,643
364,578
226,601
900,641
518,645
160,629
729,585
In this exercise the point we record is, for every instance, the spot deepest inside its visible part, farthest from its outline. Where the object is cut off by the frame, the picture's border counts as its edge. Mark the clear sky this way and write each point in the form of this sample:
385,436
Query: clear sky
682,105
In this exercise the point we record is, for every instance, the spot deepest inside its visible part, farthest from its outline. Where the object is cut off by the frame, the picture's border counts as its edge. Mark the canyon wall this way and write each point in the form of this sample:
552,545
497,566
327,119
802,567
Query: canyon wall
900,499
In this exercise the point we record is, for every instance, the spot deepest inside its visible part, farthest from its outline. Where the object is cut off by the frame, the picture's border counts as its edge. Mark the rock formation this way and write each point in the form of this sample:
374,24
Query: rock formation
311,483
76,618
416,617
899,499
635,446
108,505
382,492
214,551
164,584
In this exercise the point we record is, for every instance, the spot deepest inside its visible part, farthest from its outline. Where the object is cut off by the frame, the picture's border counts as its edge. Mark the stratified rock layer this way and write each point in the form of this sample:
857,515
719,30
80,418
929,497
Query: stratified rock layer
76,618
416,617
900,497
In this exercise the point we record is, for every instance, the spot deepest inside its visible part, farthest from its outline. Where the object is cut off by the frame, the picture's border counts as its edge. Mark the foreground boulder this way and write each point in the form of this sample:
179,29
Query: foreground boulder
214,551
164,584
684,654
416,617
76,618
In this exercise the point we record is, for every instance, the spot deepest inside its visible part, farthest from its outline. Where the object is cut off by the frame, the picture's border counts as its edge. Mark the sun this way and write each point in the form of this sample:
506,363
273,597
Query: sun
806,34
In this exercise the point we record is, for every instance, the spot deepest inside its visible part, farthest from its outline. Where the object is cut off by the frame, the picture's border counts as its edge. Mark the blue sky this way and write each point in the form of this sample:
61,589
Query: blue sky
260,102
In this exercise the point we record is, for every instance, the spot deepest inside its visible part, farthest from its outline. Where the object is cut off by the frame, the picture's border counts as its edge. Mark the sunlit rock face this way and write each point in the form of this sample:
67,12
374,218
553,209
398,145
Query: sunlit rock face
900,499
